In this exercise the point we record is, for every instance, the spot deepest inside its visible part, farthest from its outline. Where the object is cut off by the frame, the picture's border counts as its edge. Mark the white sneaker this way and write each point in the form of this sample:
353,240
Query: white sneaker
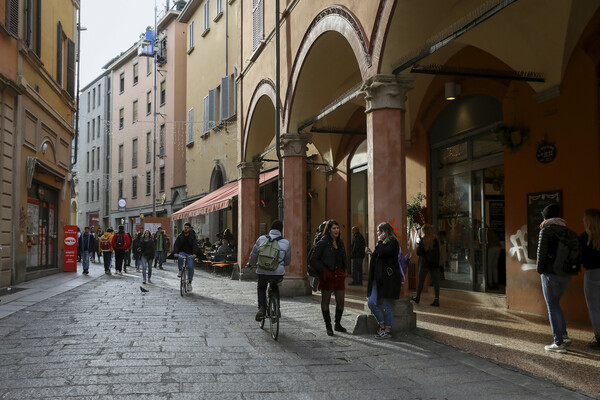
556,348
189,286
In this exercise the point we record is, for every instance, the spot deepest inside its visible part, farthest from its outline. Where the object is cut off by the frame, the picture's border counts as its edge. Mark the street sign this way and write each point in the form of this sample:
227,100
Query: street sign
70,249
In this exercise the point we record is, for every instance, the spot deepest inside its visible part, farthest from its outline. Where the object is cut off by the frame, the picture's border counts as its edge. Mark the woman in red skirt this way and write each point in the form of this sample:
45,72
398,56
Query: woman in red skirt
329,255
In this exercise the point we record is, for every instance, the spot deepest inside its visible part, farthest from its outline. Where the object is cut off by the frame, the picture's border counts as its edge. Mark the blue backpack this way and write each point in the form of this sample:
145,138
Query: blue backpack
403,261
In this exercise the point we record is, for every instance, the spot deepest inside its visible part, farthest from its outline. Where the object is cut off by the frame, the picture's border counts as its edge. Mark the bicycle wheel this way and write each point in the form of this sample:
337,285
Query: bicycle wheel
273,318
183,282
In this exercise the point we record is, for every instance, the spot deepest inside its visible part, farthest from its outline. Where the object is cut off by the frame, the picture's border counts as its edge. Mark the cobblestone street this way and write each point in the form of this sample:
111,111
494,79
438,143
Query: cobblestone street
104,339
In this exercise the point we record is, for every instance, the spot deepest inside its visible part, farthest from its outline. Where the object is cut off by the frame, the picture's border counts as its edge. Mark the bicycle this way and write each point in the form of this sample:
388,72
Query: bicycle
272,310
183,284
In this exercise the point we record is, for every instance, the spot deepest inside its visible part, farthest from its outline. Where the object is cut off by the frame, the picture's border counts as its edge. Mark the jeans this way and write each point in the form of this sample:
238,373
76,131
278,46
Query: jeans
357,270
261,288
435,280
553,287
107,259
591,287
386,316
86,260
138,262
119,258
146,262
159,258
190,262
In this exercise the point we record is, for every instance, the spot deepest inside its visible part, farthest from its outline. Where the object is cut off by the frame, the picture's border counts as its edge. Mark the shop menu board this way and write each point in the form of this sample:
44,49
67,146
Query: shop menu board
536,202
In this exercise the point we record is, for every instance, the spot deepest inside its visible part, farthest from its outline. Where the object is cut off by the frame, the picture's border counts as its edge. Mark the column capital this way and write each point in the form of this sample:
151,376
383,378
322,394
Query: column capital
249,169
387,91
294,144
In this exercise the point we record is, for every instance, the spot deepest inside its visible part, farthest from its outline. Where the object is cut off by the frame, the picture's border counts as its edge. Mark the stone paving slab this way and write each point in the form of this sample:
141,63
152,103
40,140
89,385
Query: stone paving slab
101,338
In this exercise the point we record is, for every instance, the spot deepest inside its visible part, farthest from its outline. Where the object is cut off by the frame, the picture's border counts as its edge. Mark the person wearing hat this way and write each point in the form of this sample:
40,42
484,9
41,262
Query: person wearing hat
553,286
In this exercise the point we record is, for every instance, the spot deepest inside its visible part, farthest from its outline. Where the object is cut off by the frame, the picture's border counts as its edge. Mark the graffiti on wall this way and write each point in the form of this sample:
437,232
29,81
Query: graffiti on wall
519,249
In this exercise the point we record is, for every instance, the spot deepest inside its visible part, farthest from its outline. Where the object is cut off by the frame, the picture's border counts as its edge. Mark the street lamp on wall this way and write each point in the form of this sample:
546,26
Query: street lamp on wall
451,90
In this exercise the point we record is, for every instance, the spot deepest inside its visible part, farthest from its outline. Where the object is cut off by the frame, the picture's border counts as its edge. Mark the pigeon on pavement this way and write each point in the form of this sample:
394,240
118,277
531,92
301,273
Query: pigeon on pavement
144,290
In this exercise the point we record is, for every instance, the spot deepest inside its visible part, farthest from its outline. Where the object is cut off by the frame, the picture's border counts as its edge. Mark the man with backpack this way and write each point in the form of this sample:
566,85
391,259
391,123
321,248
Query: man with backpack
271,254
106,249
120,242
553,243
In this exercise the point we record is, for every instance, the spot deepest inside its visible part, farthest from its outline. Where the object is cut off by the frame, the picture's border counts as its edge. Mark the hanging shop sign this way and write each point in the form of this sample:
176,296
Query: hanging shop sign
70,249
546,152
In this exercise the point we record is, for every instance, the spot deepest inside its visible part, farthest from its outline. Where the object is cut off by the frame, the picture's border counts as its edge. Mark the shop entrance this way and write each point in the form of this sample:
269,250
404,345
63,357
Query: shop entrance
42,235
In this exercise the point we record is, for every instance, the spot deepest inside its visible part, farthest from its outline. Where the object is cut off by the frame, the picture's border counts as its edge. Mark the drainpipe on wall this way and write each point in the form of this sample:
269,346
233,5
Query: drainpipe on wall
277,115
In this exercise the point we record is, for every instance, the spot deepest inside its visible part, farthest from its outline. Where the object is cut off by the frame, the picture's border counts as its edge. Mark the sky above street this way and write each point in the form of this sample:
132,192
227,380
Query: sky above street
112,27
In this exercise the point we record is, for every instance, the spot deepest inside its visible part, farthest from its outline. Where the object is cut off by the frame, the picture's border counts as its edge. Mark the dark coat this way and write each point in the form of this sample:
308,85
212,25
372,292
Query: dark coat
323,255
357,247
385,270
429,259
590,257
547,245
148,248
188,244
86,242
137,247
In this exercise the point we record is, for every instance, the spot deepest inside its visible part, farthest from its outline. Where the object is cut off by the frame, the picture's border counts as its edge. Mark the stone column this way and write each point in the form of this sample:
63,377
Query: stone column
294,214
385,97
248,210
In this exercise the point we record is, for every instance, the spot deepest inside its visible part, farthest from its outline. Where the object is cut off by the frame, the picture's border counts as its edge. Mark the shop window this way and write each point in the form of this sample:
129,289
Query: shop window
148,183
452,155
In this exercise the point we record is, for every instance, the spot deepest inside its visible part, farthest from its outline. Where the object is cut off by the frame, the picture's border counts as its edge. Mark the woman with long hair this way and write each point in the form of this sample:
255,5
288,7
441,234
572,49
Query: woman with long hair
329,255
385,279
148,254
428,251
590,257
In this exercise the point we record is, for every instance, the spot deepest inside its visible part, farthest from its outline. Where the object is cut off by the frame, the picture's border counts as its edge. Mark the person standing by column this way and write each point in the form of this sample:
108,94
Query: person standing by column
86,246
357,255
428,251
330,256
120,242
385,279
160,243
590,246
553,286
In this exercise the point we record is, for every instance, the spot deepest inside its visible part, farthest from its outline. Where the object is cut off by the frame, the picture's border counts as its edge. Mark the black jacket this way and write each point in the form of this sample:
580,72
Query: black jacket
148,248
429,259
136,247
188,244
590,257
357,246
323,255
86,242
547,244
385,270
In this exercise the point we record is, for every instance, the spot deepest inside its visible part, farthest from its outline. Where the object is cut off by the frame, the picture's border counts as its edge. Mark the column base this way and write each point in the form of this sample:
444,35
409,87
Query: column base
405,319
293,286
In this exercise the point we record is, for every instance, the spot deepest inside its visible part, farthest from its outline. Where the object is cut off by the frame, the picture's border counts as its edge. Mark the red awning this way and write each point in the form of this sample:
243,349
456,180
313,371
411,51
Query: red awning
218,199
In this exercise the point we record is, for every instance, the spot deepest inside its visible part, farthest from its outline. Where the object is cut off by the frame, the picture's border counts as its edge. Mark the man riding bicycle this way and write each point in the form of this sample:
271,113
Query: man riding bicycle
185,249
264,275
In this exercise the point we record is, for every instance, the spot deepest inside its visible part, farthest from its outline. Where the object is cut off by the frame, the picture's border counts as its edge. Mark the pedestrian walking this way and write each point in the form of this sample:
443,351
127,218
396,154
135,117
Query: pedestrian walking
120,242
148,252
86,247
105,247
329,255
137,249
96,252
590,255
161,246
127,259
316,238
357,255
278,262
553,285
385,279
428,251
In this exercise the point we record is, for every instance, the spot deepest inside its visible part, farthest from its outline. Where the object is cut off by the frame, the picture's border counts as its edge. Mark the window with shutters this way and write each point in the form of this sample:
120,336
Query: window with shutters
87,168
33,10
121,158
98,159
88,132
93,159
97,187
219,4
234,91
149,65
148,183
148,102
163,93
190,126
12,17
92,196
87,192
121,118
212,108
191,36
162,140
134,153
135,73
134,186
120,188
161,185
99,125
59,54
121,82
225,98
148,147
93,127
134,116
89,102
93,97
257,23
99,94
206,17
205,125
